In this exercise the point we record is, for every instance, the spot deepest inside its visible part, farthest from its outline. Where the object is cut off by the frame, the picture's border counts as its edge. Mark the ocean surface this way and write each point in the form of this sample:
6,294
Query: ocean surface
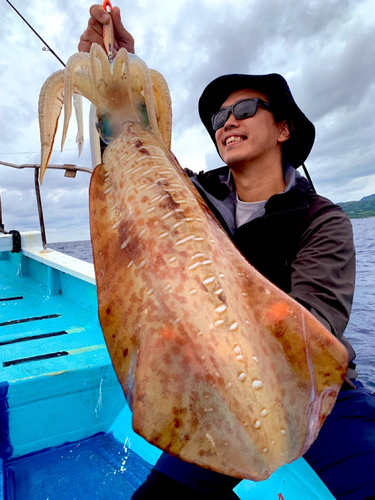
361,328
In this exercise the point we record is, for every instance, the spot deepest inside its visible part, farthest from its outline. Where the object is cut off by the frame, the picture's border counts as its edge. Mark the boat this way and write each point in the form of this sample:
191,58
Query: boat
65,426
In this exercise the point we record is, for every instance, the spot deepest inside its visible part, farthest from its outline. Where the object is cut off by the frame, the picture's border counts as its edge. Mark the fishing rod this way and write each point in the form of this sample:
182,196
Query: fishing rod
37,34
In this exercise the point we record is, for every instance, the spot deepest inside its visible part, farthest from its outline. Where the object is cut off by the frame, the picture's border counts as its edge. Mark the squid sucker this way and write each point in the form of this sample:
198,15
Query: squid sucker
219,367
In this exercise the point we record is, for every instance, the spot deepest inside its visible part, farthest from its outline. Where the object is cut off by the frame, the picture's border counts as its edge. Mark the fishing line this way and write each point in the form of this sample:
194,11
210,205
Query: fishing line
37,34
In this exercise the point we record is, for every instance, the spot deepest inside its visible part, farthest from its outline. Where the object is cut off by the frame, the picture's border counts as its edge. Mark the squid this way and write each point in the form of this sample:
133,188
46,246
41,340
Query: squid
219,367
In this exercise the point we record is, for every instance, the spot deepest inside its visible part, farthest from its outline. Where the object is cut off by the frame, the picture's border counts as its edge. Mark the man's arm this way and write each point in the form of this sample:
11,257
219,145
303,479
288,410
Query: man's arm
323,274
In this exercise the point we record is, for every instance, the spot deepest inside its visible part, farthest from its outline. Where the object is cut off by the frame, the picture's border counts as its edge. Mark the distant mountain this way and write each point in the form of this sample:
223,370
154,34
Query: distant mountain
365,207
370,197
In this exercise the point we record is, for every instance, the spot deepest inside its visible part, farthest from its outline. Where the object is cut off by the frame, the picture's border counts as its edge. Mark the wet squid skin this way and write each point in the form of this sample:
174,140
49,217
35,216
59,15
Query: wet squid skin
219,367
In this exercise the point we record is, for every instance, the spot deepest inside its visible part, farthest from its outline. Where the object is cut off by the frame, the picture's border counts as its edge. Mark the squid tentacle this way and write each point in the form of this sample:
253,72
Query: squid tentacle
163,105
100,69
121,72
78,62
51,101
142,72
77,101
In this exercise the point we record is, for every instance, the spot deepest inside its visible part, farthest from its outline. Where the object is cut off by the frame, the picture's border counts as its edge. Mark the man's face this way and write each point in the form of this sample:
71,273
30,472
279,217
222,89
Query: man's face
242,141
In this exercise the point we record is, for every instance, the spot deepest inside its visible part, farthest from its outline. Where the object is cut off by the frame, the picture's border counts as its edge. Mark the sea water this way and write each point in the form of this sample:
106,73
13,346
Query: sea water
361,329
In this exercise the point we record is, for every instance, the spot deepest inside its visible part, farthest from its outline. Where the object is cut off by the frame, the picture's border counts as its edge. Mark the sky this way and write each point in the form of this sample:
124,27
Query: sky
324,48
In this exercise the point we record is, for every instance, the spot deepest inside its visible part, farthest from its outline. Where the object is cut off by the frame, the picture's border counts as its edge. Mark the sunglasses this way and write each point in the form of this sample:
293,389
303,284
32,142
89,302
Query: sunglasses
241,110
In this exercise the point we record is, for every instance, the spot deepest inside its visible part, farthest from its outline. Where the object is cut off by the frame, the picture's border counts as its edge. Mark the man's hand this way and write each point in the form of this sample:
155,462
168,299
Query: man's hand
94,30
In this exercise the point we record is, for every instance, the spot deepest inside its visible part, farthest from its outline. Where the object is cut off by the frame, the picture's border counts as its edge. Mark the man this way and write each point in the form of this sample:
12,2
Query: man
299,240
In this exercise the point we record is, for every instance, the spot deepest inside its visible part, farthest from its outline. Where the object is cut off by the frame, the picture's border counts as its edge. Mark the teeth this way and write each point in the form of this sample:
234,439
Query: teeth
233,139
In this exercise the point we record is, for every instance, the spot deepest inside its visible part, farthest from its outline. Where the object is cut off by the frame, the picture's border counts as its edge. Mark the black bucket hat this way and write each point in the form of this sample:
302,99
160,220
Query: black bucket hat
297,148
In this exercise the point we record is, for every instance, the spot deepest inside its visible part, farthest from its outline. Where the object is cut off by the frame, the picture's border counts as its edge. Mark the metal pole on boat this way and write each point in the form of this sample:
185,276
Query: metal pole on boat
40,209
2,230
70,171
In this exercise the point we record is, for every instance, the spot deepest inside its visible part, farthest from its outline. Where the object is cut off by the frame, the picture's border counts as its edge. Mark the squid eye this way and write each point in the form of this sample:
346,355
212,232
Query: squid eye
104,128
143,115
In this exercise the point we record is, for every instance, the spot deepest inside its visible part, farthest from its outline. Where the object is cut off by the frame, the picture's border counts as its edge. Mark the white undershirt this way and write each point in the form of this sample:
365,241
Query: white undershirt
245,209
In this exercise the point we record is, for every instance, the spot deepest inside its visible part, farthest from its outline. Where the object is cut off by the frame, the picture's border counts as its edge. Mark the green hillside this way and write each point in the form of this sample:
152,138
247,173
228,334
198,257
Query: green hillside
365,207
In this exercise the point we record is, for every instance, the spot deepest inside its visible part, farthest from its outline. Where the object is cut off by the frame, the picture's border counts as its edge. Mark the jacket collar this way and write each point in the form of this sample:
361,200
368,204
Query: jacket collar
218,188
220,183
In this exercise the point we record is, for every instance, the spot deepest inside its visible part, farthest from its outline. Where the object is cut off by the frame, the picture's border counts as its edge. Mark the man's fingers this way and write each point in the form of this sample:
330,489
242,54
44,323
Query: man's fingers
93,34
84,46
116,18
94,25
122,36
94,30
99,14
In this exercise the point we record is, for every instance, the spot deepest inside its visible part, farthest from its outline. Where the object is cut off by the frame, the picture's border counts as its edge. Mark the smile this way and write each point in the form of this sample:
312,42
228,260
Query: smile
232,139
